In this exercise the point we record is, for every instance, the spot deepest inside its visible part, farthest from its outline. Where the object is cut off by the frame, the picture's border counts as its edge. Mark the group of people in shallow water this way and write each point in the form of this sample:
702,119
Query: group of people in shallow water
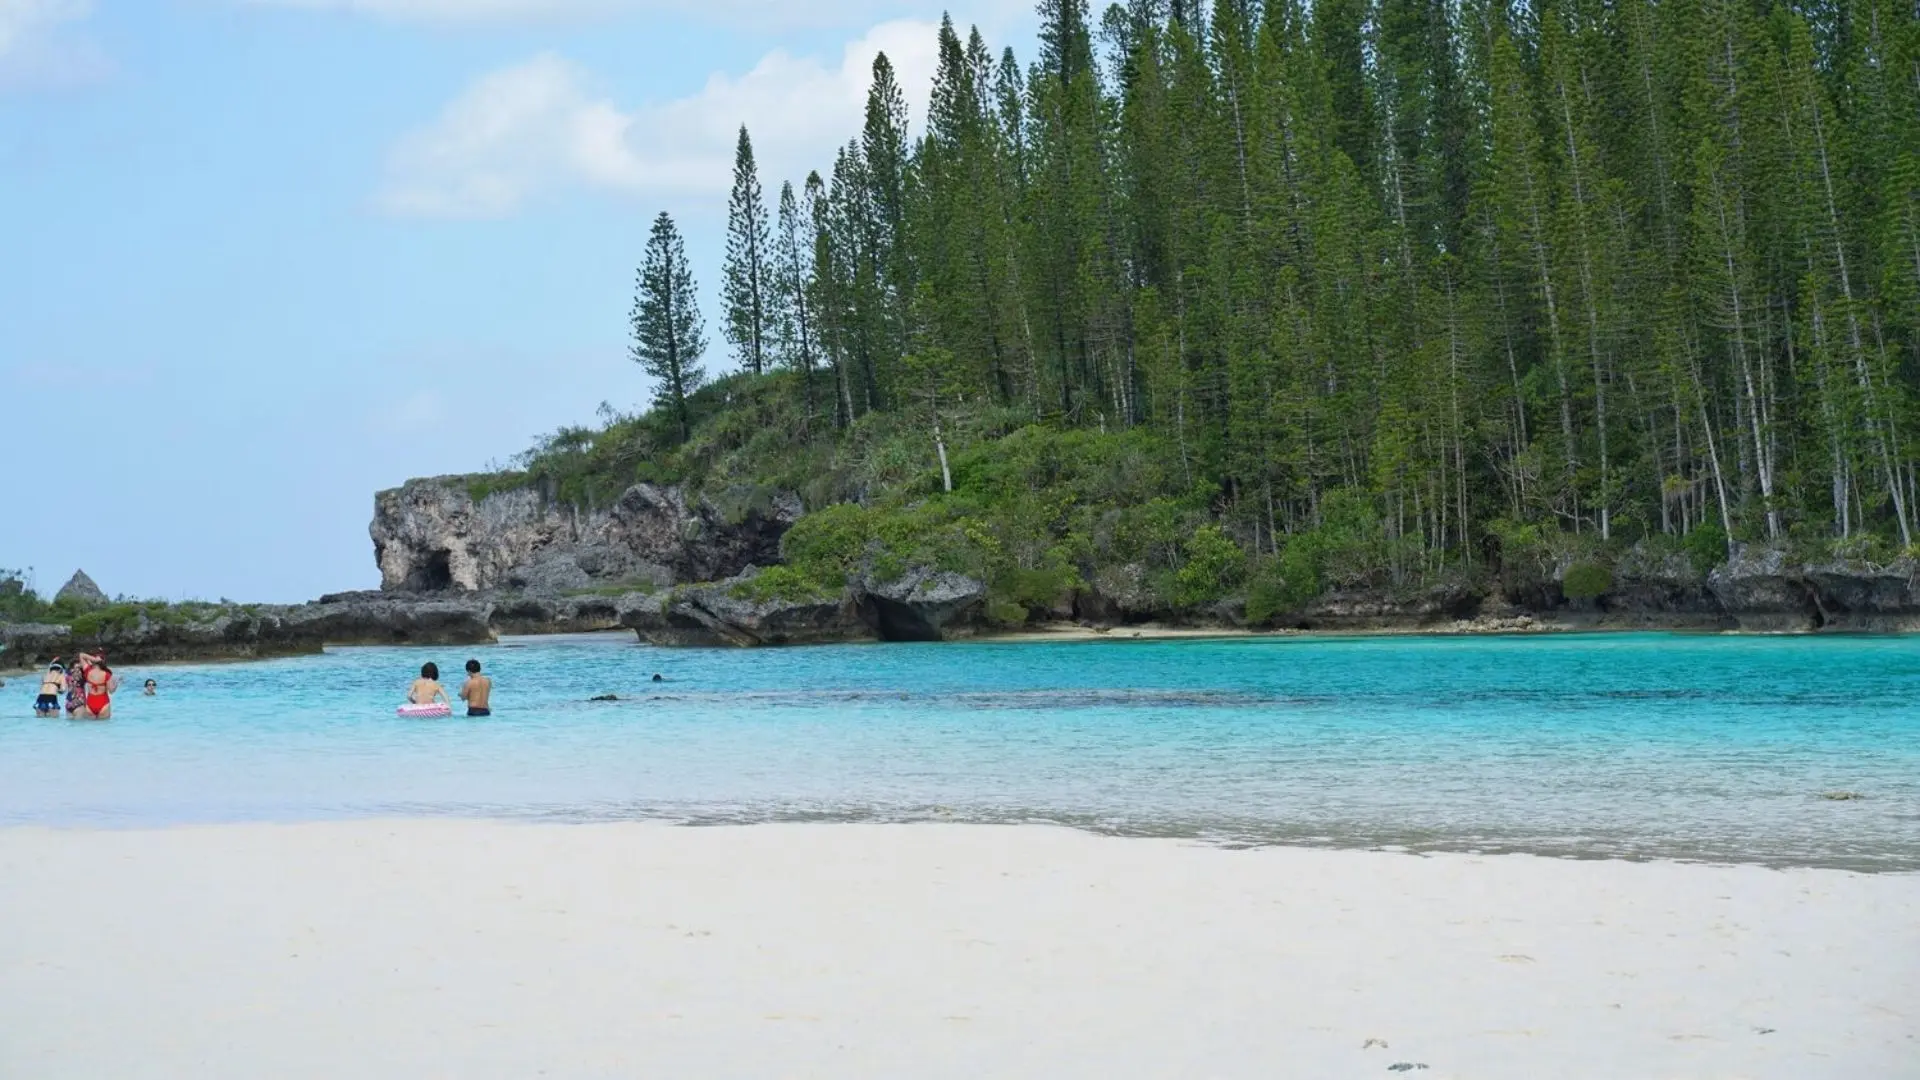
86,689
477,691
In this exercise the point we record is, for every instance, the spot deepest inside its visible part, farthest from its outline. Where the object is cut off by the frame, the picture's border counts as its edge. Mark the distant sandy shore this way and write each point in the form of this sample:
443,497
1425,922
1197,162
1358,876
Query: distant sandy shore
477,950
1069,631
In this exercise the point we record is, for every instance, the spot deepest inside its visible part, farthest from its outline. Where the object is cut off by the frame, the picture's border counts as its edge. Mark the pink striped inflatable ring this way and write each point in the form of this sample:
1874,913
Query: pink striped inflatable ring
424,712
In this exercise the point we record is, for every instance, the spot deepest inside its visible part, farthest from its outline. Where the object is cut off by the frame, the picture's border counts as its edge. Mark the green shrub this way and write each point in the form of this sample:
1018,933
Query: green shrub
481,485
1523,547
1215,564
1284,584
1586,581
646,586
1152,532
1348,547
1862,547
1006,612
102,621
783,583
828,545
1706,548
738,502
1266,599
17,602
1036,588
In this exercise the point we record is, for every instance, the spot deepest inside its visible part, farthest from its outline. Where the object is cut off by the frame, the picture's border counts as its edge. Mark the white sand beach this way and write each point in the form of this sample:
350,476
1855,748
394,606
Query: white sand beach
420,949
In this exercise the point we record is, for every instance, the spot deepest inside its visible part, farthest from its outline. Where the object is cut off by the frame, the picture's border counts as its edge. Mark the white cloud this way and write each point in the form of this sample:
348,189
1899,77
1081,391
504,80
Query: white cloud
423,408
540,127
20,20
456,10
758,14
38,46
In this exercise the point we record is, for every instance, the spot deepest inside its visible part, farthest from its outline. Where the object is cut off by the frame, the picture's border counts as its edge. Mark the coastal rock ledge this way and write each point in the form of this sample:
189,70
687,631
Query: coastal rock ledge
448,534
145,634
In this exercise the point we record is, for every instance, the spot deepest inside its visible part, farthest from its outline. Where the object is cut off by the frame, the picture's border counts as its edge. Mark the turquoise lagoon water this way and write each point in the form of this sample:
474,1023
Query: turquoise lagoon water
1700,747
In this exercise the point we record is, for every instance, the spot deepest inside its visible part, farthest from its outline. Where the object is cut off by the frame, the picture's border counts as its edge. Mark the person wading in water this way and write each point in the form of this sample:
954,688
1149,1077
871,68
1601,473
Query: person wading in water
52,685
477,691
97,686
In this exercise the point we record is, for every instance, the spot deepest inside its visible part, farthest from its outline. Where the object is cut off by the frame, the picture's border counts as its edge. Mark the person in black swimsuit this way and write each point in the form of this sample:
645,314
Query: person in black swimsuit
52,685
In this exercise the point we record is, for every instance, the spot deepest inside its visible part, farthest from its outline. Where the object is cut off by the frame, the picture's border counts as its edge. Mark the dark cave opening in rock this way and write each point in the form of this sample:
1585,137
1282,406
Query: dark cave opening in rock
433,573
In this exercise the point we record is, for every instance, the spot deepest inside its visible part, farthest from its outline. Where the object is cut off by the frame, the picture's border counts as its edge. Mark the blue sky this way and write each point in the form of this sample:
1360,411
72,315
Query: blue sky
259,258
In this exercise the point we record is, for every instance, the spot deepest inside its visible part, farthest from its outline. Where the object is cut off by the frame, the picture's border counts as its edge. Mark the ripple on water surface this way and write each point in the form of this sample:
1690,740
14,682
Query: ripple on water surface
1721,748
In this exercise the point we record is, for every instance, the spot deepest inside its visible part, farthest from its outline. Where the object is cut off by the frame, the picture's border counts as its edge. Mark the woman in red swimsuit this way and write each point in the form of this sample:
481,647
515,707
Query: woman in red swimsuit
98,682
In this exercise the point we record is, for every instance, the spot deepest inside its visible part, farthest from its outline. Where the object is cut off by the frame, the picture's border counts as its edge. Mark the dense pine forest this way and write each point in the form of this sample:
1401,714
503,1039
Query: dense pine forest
1287,296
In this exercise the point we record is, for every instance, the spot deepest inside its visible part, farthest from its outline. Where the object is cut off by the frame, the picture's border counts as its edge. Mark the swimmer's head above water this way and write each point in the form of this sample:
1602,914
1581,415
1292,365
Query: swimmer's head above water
430,670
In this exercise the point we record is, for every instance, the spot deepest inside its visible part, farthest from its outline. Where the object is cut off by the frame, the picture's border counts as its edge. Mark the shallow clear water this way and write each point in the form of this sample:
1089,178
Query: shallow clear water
1643,745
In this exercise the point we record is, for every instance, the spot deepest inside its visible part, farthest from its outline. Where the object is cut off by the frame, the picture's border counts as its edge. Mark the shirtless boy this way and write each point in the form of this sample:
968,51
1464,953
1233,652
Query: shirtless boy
477,690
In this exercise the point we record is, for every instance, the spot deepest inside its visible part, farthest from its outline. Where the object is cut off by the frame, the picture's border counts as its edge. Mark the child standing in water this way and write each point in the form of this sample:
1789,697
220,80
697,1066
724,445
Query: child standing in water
52,685
427,687
477,691
77,688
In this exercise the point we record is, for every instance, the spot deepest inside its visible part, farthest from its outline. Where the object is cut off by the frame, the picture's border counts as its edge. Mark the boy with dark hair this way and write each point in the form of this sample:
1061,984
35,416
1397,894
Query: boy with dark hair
52,686
477,690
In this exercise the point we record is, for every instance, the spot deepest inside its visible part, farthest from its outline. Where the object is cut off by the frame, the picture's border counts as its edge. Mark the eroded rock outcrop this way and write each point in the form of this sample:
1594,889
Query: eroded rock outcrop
434,536
921,605
1380,609
1765,591
1116,595
81,590
726,613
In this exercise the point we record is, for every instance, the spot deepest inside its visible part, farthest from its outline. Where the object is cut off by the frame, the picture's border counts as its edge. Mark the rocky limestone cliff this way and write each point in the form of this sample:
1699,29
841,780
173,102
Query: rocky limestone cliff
1764,591
1759,591
433,536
